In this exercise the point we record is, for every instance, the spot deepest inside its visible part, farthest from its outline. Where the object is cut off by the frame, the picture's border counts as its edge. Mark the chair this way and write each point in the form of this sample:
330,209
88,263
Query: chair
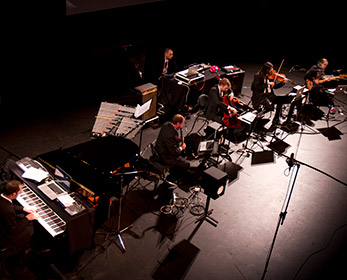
6,252
159,169
202,103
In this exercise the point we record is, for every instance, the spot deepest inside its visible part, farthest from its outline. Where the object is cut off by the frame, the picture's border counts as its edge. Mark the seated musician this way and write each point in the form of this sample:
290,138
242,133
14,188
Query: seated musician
231,100
169,145
263,91
15,220
318,96
215,105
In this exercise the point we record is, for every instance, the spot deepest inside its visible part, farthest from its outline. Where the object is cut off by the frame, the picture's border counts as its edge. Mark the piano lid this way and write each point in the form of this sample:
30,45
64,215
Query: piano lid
91,163
106,153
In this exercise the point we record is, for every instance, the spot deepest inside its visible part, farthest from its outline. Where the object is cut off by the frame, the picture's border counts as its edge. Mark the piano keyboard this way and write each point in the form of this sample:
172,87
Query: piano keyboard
48,218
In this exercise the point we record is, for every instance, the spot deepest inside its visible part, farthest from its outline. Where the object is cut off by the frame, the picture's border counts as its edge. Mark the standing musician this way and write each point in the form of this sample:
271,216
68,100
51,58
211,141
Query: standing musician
215,105
313,76
166,64
263,94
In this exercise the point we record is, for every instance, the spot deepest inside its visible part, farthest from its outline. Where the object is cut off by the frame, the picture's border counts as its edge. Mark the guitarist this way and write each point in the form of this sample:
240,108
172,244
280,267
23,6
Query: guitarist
318,96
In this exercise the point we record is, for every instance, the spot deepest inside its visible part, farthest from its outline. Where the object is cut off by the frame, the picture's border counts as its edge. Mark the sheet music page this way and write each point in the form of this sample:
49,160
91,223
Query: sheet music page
66,200
140,110
35,174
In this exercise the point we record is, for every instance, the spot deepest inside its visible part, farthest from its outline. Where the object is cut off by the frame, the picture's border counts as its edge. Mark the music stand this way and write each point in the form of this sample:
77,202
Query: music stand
251,119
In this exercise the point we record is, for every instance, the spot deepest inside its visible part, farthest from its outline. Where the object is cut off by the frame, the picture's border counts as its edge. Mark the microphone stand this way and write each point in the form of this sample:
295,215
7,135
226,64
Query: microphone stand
292,163
143,124
122,195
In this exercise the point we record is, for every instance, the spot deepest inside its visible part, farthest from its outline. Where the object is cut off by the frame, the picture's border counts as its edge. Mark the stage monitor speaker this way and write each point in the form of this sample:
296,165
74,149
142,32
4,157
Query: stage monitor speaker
212,129
214,182
148,91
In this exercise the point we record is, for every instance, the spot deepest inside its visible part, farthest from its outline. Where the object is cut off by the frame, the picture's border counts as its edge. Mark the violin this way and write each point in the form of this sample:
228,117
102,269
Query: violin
279,77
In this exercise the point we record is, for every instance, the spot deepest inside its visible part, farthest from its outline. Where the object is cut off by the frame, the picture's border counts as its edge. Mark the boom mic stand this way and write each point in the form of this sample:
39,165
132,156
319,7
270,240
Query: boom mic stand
292,163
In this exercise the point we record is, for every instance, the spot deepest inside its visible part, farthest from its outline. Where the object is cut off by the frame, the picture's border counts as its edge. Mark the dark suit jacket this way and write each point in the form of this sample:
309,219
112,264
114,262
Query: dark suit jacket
171,68
215,104
314,72
15,229
167,145
154,65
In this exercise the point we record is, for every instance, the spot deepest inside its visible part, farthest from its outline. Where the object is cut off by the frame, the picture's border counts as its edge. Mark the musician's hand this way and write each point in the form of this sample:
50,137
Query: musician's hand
271,83
32,216
30,209
183,146
232,112
316,81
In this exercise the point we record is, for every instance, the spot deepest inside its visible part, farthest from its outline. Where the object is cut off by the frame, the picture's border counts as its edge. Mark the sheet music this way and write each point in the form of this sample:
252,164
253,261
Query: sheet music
140,110
248,117
35,174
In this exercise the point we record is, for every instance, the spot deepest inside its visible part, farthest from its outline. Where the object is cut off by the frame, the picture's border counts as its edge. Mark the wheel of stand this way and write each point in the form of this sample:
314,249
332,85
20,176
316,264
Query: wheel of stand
181,202
197,209
166,209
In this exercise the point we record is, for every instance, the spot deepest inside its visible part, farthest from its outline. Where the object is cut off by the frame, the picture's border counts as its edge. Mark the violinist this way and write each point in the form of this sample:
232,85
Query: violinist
263,87
215,105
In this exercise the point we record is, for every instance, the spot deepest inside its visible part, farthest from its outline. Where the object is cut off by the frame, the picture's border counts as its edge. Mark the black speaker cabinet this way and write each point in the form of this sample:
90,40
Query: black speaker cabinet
236,78
214,182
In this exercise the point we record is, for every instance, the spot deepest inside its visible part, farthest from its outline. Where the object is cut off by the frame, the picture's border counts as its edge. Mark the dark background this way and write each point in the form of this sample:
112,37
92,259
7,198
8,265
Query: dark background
58,59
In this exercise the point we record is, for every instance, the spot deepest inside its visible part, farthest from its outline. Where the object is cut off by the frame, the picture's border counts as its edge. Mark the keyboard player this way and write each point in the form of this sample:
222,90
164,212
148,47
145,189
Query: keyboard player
16,228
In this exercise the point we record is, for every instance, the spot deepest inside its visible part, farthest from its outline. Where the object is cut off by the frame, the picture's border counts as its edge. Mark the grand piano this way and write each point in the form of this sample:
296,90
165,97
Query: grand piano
94,167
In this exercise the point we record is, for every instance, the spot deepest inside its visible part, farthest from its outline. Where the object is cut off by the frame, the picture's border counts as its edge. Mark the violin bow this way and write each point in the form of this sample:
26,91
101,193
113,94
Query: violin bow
279,69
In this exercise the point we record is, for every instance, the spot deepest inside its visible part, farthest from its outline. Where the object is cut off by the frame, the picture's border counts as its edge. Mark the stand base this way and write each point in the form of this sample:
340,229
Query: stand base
119,233
207,215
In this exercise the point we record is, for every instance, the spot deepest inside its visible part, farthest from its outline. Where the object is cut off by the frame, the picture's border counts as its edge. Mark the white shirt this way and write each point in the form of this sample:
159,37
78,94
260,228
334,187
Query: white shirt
2,195
221,95
166,64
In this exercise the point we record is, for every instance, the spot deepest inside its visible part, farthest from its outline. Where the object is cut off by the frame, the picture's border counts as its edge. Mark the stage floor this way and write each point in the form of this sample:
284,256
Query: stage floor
311,243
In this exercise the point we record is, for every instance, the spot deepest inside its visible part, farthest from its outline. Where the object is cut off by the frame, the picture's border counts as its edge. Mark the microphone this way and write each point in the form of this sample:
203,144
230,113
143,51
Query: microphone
291,161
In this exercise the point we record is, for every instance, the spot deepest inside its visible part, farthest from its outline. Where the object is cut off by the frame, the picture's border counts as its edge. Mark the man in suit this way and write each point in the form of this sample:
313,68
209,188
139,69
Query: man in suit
169,145
15,220
167,64
215,105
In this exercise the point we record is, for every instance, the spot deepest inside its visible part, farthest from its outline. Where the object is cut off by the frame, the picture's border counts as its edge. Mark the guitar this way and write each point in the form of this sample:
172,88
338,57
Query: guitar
309,84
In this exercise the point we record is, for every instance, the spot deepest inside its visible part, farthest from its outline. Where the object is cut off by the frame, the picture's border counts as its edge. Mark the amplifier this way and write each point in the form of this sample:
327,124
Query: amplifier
236,78
148,91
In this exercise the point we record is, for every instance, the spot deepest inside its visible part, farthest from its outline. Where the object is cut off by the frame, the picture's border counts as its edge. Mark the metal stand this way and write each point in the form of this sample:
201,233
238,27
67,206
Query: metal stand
251,129
122,195
292,163
207,214
141,130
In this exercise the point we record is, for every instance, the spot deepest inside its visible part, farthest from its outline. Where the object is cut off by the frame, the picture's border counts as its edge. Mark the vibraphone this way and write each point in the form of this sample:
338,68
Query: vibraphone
116,120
